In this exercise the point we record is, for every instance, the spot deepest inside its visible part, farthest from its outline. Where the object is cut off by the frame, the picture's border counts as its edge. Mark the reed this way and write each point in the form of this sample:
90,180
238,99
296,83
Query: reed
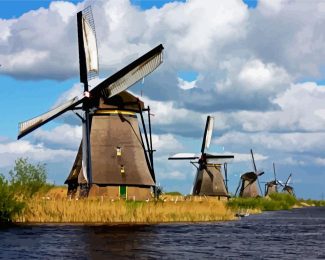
103,210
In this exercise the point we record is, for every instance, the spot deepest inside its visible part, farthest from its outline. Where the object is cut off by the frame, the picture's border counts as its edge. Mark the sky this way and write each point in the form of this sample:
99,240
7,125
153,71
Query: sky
256,66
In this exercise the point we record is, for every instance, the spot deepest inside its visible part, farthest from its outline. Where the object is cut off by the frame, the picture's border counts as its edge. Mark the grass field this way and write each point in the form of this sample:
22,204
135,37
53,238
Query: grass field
54,207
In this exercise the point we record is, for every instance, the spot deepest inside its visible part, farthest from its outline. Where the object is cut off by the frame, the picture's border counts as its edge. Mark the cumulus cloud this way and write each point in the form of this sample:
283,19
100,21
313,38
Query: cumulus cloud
299,109
38,44
288,142
173,175
165,143
64,136
10,151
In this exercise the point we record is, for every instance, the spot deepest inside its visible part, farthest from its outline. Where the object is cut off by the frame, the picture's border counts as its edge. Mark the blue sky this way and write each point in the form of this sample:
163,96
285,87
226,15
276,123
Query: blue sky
257,67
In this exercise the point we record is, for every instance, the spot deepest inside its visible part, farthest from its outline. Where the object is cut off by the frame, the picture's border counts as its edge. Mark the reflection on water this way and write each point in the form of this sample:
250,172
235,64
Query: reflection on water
295,234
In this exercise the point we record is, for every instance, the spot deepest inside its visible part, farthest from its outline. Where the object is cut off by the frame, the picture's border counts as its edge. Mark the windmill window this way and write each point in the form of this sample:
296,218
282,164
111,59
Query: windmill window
118,151
122,169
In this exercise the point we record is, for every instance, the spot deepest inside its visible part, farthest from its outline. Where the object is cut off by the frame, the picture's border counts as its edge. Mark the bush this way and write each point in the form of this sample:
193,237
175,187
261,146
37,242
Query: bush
9,205
28,179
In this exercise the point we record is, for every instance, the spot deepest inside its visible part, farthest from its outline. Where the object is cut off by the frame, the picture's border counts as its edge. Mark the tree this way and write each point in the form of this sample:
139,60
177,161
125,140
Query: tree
27,179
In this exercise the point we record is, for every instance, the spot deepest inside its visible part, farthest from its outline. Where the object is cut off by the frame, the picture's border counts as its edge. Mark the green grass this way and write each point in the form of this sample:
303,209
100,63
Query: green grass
174,193
276,201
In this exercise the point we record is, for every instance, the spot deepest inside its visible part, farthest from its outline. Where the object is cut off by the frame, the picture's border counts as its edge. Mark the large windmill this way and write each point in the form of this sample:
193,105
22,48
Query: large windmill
286,187
209,180
112,152
272,186
249,181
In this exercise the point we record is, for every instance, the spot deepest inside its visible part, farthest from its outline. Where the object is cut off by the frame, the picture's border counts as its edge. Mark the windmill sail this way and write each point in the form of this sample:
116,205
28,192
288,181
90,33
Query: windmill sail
90,45
88,55
84,157
143,65
30,125
130,74
88,61
218,159
288,180
207,134
184,156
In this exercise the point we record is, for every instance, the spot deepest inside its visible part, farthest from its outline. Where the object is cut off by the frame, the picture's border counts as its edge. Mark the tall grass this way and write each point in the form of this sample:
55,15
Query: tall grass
101,210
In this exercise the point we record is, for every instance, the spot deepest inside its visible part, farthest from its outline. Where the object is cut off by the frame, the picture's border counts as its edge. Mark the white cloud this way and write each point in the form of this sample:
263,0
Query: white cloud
173,175
10,151
257,75
64,136
247,157
166,143
183,84
75,91
282,142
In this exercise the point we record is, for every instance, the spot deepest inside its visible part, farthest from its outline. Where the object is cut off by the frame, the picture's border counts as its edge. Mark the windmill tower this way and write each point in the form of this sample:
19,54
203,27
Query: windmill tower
286,187
112,155
271,186
248,182
209,180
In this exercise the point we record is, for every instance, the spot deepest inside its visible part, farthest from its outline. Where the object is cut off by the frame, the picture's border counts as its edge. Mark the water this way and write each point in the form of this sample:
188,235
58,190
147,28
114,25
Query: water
295,234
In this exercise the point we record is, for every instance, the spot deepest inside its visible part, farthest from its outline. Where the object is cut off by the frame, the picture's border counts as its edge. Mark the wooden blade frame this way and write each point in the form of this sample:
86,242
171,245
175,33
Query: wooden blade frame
130,74
253,161
28,126
86,149
207,134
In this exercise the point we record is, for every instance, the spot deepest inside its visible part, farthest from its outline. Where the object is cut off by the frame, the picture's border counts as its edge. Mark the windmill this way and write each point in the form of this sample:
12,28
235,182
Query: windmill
112,152
272,186
209,180
286,187
248,182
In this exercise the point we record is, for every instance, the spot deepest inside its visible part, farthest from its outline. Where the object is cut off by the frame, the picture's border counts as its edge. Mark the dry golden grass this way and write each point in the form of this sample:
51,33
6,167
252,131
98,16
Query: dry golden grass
101,210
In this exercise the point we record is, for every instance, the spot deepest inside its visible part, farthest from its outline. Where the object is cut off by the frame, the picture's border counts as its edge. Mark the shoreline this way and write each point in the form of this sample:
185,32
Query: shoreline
53,208
128,224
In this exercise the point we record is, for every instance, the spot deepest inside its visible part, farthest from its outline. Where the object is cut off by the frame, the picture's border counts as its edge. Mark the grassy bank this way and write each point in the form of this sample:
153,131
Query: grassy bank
54,207
26,197
101,210
276,201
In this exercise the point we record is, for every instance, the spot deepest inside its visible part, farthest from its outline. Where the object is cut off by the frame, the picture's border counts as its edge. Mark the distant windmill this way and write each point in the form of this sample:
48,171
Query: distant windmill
272,186
112,152
248,182
286,187
209,180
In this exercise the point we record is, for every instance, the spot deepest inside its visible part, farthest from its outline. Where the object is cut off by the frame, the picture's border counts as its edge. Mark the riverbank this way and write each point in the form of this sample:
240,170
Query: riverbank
101,210
54,207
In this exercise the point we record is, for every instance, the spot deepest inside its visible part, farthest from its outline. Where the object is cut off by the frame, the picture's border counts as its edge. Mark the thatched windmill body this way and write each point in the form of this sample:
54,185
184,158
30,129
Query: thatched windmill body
248,183
272,186
209,180
112,152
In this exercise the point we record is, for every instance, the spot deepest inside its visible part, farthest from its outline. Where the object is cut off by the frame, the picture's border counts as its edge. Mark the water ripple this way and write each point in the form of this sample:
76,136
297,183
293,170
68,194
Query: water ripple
295,234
